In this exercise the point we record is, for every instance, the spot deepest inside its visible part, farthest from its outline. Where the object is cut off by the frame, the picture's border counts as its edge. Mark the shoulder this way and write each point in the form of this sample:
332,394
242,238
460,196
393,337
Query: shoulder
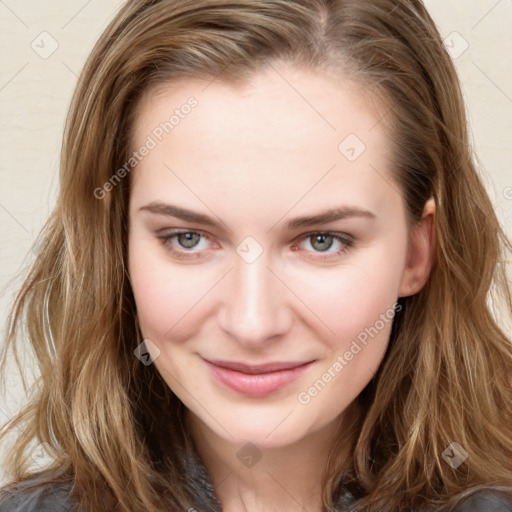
486,500
482,500
27,497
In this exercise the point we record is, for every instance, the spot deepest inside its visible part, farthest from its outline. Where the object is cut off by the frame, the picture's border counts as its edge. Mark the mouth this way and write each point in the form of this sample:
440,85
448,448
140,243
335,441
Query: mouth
256,380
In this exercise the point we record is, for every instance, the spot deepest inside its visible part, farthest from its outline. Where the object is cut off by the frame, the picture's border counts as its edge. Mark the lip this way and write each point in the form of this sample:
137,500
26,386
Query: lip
256,380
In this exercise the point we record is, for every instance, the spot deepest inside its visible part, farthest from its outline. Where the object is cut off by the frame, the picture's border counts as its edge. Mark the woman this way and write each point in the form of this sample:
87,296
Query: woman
265,283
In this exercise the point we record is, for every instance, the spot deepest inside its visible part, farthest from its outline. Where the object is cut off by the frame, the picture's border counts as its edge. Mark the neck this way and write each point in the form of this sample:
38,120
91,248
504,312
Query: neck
251,479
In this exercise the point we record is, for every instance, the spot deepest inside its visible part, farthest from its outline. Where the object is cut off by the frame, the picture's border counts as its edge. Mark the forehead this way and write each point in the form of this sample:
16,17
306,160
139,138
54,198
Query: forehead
285,134
279,96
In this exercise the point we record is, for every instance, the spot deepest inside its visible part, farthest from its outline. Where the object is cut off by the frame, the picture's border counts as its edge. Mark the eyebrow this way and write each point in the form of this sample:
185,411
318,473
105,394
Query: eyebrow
331,215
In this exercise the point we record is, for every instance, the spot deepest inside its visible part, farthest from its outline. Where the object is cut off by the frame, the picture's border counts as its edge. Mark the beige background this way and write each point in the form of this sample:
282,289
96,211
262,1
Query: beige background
36,86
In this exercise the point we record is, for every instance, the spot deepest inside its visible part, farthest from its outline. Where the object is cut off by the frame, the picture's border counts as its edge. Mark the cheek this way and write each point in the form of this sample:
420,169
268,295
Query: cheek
163,295
353,297
359,309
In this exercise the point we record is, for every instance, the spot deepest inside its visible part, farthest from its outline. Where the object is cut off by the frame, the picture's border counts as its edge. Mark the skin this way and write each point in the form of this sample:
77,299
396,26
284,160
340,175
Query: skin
254,157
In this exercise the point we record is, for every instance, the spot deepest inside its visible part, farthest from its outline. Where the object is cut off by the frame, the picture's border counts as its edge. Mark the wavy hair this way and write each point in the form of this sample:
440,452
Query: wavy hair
114,426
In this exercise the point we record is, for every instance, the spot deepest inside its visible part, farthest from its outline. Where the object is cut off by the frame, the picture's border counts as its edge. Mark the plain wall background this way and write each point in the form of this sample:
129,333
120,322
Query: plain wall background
44,46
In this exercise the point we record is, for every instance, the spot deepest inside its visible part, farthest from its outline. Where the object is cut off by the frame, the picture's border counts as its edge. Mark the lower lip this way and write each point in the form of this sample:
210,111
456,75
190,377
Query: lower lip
256,384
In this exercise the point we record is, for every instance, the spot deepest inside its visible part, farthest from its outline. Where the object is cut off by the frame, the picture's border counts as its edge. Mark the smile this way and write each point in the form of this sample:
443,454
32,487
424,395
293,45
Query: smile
256,380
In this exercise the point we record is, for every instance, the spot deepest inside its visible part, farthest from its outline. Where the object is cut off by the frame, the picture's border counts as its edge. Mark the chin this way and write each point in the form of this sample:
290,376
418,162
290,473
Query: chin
272,426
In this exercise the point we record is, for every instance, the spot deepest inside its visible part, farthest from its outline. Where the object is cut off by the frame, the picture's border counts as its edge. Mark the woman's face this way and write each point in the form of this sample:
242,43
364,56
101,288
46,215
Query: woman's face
262,323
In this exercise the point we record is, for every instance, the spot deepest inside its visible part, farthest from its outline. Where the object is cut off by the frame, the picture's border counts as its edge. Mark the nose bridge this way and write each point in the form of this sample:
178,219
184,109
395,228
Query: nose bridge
255,307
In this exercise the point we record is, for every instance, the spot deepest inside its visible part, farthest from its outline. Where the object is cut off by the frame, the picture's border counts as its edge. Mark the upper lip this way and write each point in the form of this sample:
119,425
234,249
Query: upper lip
257,368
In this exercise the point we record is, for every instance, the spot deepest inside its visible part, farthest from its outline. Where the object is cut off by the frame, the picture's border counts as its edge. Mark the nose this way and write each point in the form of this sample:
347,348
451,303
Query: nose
256,308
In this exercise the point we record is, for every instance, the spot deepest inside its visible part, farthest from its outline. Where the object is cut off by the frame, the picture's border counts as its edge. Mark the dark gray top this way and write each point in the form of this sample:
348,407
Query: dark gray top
486,501
55,498
23,498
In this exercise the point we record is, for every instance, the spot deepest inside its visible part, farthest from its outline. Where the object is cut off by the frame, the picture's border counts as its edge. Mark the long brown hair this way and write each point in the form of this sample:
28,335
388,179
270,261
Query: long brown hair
114,425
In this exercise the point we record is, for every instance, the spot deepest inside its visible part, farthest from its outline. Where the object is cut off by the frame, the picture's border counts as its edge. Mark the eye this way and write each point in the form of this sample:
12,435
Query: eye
322,242
180,242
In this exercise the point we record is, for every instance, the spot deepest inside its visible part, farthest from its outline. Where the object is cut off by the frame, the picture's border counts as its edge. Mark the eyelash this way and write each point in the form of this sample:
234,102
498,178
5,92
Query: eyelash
346,240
